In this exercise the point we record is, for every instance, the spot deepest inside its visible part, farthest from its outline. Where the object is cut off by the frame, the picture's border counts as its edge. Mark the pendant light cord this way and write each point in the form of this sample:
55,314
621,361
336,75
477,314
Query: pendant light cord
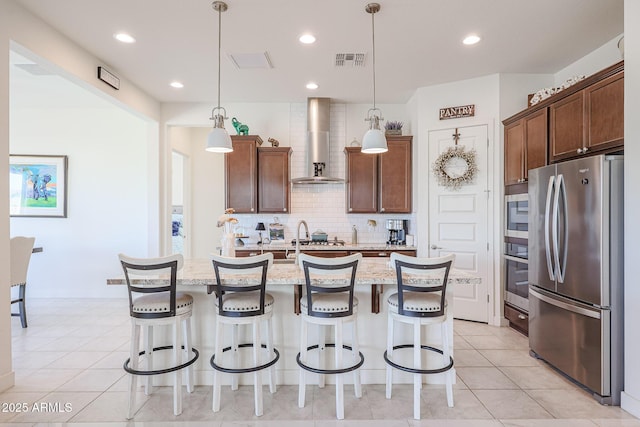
373,38
219,48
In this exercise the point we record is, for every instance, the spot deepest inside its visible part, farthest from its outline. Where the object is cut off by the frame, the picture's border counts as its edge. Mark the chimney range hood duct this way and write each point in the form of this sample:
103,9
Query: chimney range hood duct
318,144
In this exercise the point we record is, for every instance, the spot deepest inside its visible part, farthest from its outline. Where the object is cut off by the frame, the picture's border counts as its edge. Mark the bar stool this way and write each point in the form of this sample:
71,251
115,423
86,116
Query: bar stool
420,305
241,303
152,304
330,302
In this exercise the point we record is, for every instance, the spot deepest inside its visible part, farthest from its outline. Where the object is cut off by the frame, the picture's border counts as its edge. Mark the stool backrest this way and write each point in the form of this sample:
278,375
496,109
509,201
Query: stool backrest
239,270
20,249
407,266
149,276
344,271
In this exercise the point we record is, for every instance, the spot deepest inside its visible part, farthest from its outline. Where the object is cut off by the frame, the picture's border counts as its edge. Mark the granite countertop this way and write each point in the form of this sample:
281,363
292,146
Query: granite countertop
199,272
346,247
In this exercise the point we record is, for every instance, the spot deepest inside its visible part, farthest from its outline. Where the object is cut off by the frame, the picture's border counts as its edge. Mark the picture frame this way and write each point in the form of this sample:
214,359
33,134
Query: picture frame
38,185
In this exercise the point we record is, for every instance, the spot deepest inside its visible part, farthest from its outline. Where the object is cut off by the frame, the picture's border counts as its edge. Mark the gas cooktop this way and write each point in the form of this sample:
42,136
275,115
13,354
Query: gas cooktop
306,242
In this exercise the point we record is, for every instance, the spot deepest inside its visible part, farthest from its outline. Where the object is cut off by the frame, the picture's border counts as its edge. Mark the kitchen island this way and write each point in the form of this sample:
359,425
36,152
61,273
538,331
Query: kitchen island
375,280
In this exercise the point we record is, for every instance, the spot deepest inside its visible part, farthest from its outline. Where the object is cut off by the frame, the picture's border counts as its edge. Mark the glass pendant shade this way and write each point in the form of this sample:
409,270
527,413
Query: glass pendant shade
219,141
374,141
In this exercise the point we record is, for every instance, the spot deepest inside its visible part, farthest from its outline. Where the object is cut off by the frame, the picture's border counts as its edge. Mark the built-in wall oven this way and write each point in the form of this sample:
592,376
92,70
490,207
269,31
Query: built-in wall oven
516,276
516,215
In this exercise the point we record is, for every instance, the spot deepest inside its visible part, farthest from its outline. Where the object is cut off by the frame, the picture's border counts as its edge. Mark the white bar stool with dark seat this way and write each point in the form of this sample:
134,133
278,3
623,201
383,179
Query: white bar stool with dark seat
150,305
20,254
419,305
241,303
330,301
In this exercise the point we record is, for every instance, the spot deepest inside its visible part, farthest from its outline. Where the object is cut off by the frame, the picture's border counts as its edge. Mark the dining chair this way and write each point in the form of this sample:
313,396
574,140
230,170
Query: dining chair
20,255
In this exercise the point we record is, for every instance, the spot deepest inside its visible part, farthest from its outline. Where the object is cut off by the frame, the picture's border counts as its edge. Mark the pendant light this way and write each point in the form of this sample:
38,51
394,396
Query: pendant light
374,140
219,140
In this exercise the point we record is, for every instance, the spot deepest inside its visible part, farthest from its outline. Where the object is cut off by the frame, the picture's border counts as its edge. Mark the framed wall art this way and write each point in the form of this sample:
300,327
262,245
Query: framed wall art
38,186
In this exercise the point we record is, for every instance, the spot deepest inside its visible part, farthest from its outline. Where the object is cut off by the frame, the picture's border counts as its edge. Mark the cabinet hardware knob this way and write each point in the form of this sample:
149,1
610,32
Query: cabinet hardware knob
585,149
350,209
381,209
579,150
436,247
253,253
284,209
382,254
522,316
251,209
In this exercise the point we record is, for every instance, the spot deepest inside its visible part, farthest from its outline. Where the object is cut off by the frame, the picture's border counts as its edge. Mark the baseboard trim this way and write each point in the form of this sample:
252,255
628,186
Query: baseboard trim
7,381
630,404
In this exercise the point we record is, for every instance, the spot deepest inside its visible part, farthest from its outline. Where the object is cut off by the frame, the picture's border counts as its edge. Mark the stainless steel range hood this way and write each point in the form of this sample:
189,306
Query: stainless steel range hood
318,151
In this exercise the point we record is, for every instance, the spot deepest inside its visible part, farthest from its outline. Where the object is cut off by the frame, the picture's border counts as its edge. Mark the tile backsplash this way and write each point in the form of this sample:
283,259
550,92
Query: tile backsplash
322,206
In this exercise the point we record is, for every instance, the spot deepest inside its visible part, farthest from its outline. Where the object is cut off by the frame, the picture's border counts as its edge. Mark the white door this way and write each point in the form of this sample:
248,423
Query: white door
459,218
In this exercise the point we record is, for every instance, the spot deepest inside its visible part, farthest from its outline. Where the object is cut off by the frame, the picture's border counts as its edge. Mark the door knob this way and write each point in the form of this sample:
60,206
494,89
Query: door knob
436,247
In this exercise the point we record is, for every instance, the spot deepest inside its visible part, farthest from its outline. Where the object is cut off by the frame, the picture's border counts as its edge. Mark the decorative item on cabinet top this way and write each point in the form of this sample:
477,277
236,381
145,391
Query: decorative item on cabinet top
393,128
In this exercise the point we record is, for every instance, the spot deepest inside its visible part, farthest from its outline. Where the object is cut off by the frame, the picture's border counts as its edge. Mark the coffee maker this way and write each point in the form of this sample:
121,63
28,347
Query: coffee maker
396,231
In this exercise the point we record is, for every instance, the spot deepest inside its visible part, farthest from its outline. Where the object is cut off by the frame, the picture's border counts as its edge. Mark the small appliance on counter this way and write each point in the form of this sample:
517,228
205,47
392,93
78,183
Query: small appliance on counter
396,231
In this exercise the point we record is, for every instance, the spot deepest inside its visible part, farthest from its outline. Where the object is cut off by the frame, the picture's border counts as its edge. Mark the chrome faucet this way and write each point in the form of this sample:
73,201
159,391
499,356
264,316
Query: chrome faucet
306,229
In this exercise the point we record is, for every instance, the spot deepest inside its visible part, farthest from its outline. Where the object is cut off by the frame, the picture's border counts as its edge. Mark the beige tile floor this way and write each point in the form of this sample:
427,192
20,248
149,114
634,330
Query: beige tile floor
73,351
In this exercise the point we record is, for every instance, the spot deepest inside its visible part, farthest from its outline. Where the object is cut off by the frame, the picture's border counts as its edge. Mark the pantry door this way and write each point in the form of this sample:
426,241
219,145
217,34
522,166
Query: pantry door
459,218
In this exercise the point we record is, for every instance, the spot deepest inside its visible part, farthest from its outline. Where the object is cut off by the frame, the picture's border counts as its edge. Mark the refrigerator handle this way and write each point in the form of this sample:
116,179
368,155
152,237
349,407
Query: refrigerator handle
562,269
554,228
547,246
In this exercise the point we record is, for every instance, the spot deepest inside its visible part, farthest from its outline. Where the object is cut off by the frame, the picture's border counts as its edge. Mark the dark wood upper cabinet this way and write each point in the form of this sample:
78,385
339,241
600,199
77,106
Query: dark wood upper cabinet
513,153
604,113
273,179
395,176
361,186
591,120
567,126
380,183
241,178
535,136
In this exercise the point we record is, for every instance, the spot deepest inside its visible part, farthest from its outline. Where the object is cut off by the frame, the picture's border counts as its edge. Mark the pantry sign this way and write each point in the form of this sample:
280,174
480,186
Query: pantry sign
457,112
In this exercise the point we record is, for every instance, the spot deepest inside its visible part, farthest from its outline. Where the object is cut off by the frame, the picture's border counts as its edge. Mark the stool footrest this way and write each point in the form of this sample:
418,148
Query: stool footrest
161,371
418,371
330,371
244,370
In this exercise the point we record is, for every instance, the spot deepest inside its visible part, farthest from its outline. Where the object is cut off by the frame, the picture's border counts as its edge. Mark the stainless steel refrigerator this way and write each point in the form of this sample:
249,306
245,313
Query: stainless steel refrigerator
576,271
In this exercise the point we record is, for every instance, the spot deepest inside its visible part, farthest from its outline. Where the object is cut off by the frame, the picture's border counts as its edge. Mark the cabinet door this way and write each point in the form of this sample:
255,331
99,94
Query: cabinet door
241,174
535,136
273,179
513,153
362,174
567,126
395,176
604,115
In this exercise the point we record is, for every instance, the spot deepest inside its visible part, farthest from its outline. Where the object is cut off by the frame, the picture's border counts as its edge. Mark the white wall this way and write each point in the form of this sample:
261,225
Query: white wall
631,394
108,194
605,55
6,372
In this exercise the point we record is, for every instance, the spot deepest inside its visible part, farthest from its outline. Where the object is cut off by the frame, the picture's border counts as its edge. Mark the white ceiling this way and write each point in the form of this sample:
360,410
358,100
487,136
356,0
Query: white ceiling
418,43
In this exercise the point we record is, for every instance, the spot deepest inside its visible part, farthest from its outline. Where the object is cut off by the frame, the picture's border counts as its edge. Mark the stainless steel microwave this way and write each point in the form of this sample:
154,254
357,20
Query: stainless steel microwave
516,218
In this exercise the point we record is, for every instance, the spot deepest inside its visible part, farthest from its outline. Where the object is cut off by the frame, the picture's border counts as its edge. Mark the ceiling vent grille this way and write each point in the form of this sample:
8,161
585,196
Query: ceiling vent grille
350,59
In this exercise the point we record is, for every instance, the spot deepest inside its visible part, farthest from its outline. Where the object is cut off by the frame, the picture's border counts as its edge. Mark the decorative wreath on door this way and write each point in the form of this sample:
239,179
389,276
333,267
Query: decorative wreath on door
455,166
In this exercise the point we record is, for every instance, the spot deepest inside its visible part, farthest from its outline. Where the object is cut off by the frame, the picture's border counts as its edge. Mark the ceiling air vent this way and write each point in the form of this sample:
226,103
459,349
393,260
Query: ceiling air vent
350,59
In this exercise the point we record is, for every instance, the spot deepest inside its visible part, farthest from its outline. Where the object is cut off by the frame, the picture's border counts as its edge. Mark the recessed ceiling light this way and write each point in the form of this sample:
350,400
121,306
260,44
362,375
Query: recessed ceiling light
312,85
471,39
124,38
176,84
307,39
